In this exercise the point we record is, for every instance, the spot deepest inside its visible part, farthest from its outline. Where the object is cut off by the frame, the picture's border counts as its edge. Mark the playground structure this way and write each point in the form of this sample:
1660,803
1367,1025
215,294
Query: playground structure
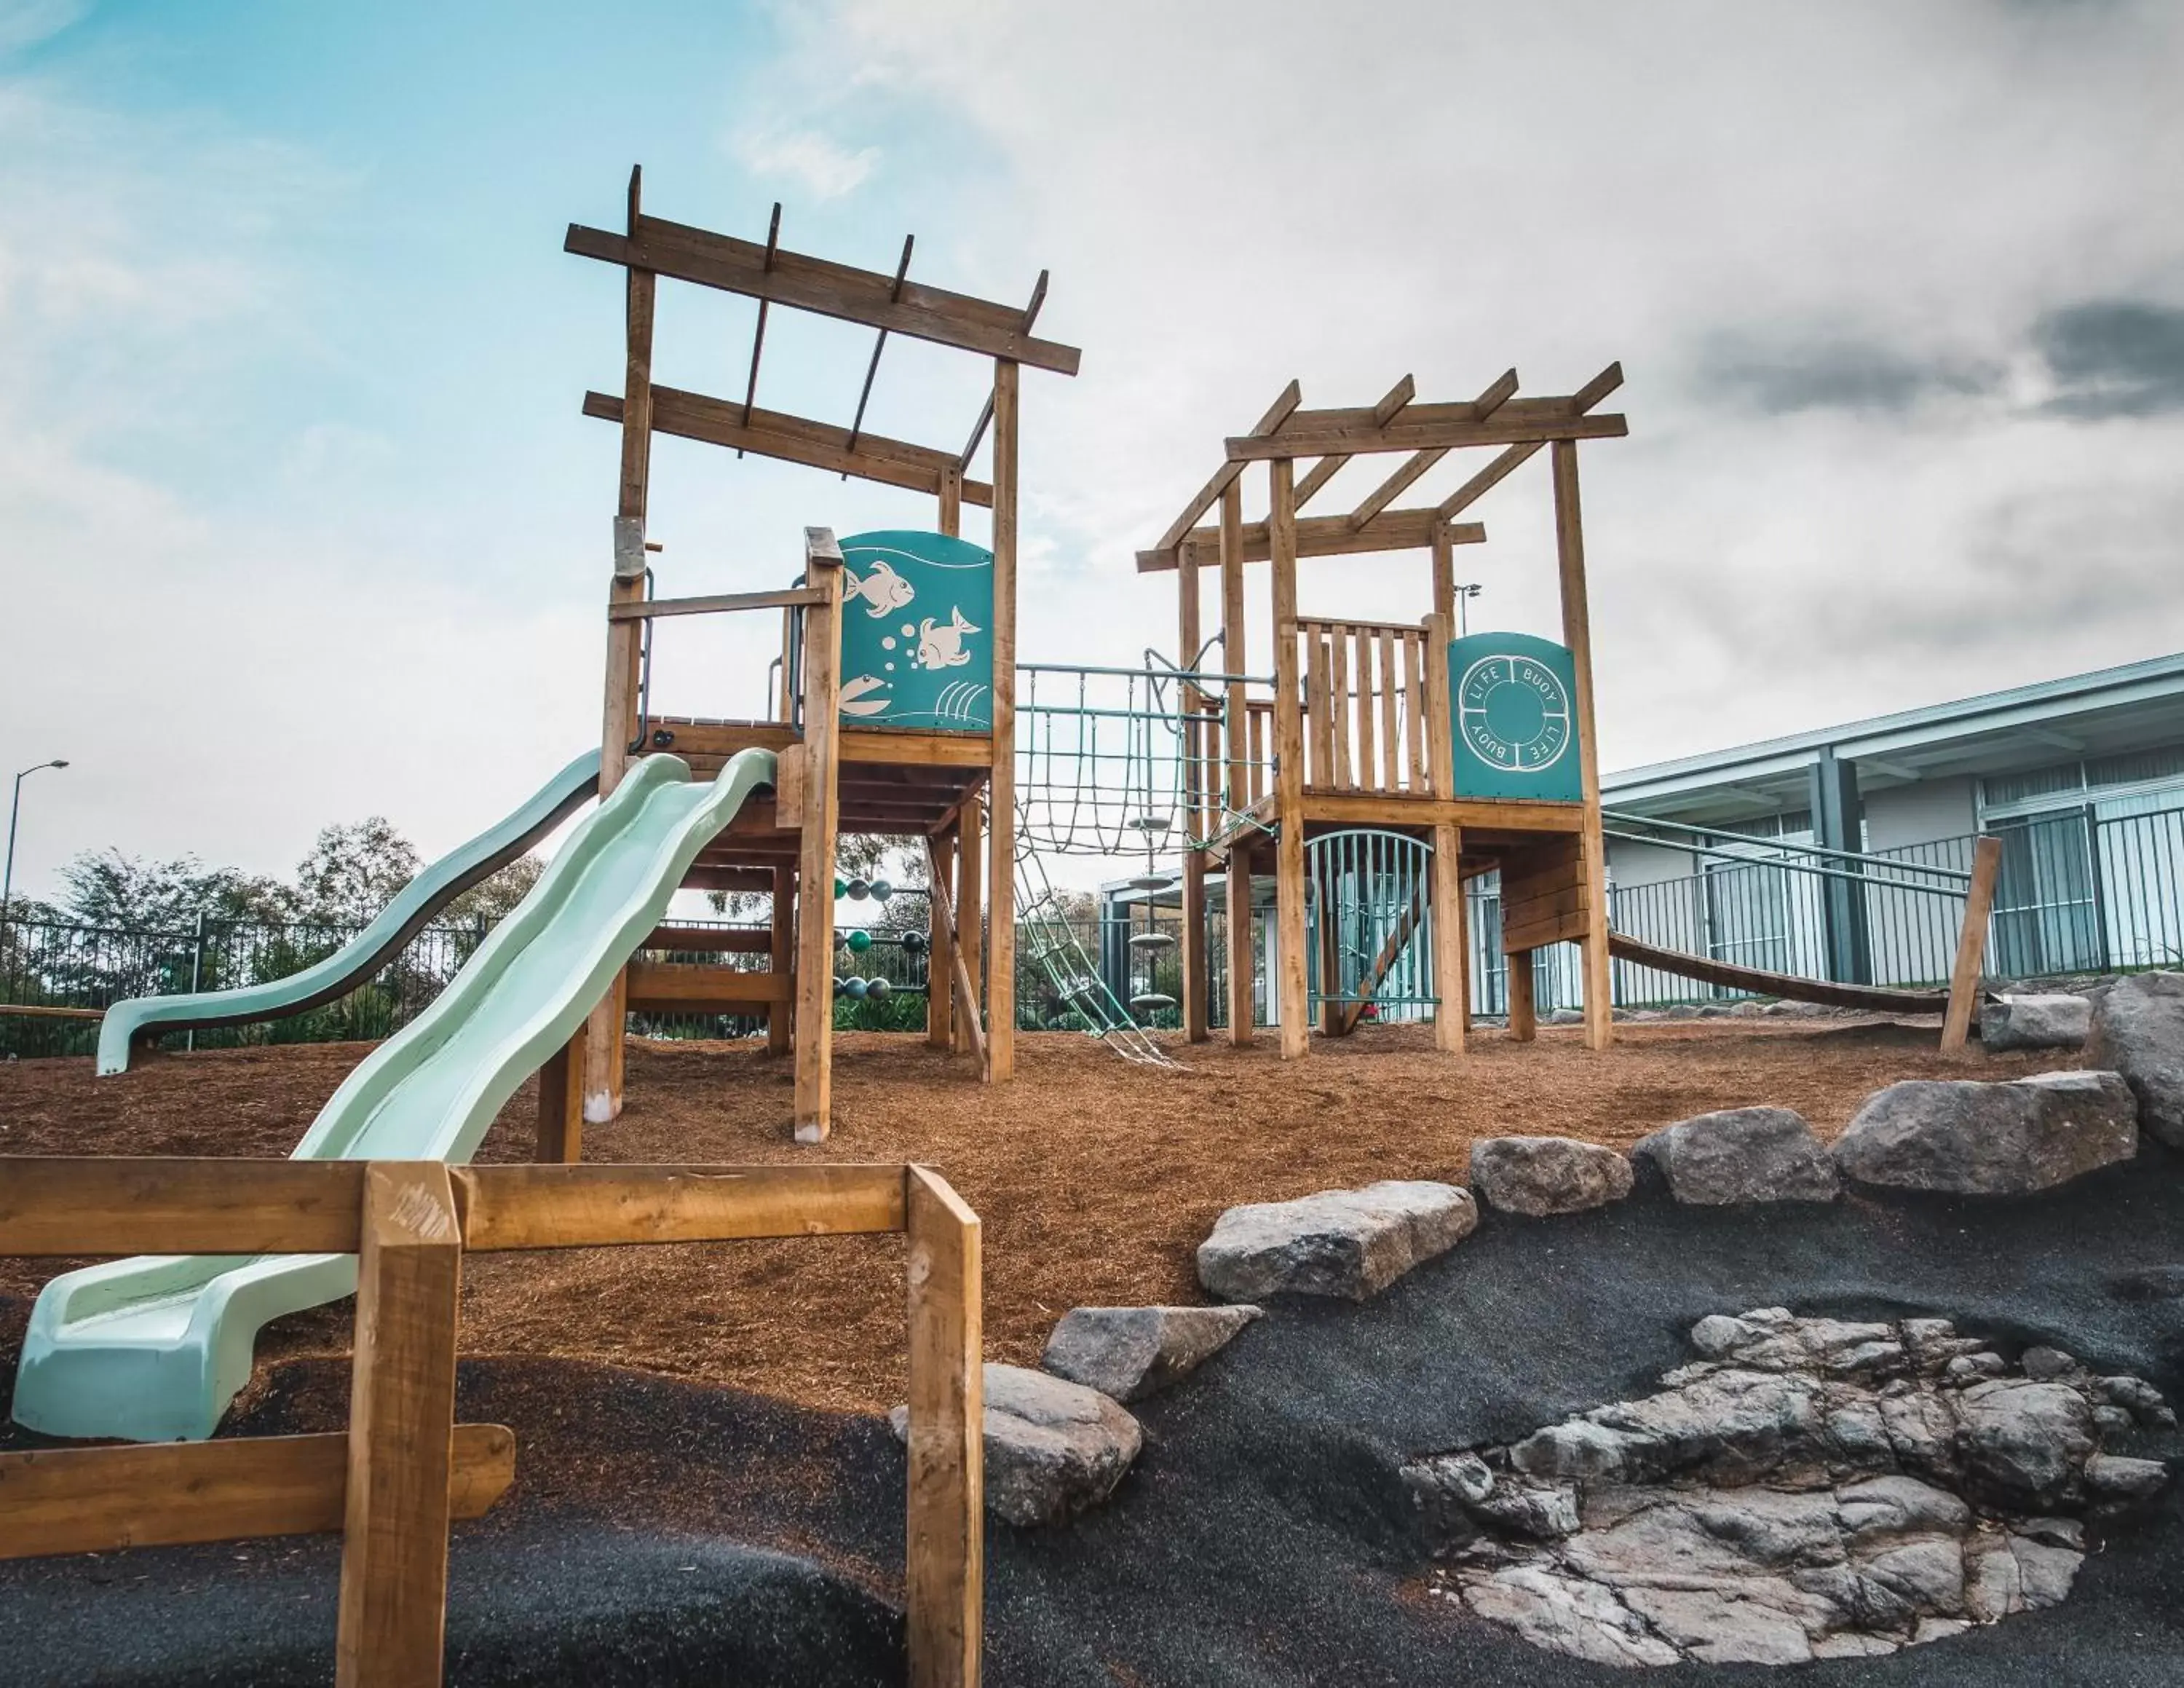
1344,776
842,766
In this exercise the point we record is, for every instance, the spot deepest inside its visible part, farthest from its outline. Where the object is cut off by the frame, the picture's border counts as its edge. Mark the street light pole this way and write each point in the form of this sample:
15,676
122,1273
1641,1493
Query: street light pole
1465,591
15,813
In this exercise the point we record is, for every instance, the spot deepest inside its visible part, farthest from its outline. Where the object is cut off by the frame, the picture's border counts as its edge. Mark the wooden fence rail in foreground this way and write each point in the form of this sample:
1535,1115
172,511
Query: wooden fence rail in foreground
404,1468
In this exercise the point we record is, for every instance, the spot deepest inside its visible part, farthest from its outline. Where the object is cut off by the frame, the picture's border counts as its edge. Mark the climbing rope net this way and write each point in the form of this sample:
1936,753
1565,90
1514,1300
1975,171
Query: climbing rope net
1108,761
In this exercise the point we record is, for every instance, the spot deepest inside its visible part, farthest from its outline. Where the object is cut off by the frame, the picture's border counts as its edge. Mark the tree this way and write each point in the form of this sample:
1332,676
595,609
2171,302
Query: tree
492,898
106,888
354,871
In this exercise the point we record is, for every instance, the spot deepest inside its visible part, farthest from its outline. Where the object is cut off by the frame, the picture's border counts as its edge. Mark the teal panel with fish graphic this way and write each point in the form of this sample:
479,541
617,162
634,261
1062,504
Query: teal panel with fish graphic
918,632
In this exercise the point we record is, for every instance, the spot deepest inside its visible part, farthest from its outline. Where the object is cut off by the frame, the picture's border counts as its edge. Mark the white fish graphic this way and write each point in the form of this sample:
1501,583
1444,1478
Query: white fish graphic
942,647
883,589
857,699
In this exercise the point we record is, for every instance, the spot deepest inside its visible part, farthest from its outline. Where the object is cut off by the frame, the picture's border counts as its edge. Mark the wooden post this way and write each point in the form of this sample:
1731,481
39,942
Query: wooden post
1444,574
1450,983
815,873
1197,735
780,957
970,931
603,1063
1523,1018
945,1570
951,501
1289,758
1577,633
1001,883
940,935
1971,945
391,1626
1235,731
561,1105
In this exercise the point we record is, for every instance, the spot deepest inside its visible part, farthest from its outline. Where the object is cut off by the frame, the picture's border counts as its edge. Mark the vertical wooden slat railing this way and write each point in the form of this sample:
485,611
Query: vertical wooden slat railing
404,1468
1365,699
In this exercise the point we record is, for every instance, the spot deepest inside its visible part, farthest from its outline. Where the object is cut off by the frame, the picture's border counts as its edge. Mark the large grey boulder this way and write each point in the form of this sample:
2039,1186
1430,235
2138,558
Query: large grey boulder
2043,1022
1128,1353
1053,1448
1741,1155
2138,1030
1352,1244
1969,1138
1538,1176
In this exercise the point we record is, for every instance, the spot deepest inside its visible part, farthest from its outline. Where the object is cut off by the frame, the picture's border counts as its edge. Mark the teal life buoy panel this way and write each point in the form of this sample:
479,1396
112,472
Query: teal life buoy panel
917,632
1514,701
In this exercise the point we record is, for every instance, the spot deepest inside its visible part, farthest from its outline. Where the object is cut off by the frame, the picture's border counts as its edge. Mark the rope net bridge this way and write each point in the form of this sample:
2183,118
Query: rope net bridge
1111,763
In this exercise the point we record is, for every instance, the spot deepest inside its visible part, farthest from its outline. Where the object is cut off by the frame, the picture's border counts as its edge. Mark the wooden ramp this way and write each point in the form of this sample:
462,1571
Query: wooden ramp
1878,998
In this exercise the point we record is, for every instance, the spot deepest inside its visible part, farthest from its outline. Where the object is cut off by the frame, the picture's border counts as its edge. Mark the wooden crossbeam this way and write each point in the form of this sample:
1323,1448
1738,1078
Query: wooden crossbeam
63,1205
1277,414
580,1207
650,609
698,255
1392,402
1315,433
1485,405
1500,469
794,439
1392,530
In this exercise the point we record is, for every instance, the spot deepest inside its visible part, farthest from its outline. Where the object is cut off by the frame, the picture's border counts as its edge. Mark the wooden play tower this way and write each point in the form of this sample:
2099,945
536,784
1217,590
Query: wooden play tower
953,789
1359,730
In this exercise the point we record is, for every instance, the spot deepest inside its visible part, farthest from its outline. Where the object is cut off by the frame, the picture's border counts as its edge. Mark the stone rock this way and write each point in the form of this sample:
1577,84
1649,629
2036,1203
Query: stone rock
1965,1137
1128,1353
2056,1022
1352,1244
2138,1030
1563,1016
2030,1439
1538,1176
2137,1397
1741,1155
1791,1494
1053,1448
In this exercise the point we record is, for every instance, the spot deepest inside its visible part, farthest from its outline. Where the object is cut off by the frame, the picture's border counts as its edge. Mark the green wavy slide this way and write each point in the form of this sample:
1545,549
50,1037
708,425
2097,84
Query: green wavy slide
154,1349
128,1025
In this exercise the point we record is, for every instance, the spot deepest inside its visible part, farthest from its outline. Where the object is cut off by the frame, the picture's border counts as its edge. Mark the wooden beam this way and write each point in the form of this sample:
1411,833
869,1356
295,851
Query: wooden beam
96,1204
796,439
1235,655
392,1615
1395,401
827,288
43,1011
941,942
1971,944
1321,433
585,1207
1288,766
1001,882
780,935
970,1034
55,1501
945,1553
1451,950
1485,480
560,1136
719,603
814,1032
1277,413
1392,530
1873,998
662,986
719,940
1347,1014
1577,635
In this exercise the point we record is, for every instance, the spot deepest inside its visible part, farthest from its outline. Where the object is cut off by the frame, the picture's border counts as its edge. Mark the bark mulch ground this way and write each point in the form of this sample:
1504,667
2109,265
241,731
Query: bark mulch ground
1096,1180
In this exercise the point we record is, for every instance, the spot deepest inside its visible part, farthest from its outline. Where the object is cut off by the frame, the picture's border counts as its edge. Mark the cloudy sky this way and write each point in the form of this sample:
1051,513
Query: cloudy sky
299,520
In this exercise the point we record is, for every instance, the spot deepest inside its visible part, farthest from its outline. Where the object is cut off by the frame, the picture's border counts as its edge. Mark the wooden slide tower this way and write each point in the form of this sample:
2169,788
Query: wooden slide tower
954,791
1358,730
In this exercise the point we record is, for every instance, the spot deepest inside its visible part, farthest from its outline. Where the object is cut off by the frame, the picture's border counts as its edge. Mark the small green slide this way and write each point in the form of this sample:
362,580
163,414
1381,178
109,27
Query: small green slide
128,1024
154,1349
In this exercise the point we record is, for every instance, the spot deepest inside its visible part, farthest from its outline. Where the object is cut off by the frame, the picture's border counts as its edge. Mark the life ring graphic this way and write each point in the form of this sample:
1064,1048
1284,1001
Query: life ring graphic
1514,713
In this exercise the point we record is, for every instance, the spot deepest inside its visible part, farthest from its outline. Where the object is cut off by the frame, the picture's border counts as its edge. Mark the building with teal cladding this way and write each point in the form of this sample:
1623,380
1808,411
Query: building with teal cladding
917,639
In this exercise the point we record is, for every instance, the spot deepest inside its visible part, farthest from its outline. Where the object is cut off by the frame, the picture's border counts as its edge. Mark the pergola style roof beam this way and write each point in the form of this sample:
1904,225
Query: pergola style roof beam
793,440
986,415
1394,530
1277,413
698,255
1391,405
1423,427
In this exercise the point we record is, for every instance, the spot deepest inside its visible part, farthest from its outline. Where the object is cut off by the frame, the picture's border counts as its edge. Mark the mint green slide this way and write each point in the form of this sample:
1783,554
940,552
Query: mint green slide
154,1349
127,1024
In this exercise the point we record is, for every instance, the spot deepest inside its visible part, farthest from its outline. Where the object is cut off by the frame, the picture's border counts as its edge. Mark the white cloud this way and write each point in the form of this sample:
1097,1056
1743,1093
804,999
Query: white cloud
806,158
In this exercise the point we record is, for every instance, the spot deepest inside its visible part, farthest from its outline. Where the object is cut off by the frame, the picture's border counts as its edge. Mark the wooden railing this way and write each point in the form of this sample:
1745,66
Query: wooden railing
1367,705
404,1468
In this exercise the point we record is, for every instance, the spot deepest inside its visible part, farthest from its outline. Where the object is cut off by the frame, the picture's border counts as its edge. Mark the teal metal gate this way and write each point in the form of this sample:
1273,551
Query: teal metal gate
1371,926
